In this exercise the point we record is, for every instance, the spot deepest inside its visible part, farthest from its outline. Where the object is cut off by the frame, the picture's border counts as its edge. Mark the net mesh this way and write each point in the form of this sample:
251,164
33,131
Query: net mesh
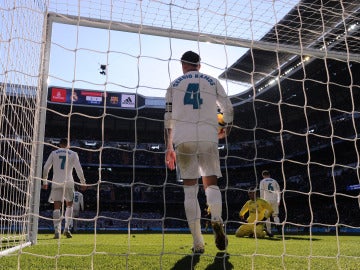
20,50
289,66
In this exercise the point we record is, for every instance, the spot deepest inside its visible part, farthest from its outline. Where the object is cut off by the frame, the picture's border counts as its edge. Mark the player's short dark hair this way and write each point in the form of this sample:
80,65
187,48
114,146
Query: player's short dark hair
265,173
191,58
63,141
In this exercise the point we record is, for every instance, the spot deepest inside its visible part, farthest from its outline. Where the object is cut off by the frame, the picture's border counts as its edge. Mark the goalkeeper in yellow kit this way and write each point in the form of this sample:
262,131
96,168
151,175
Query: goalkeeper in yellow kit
259,211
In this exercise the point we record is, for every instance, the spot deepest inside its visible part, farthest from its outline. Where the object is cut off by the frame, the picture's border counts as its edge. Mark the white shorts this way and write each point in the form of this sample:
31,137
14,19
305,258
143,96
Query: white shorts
196,159
275,207
76,213
59,194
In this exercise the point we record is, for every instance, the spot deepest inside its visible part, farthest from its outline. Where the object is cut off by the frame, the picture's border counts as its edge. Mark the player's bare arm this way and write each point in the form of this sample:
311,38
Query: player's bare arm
170,156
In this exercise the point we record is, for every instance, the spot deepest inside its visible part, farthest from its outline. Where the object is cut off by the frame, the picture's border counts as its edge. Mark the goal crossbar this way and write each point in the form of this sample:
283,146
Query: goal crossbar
200,37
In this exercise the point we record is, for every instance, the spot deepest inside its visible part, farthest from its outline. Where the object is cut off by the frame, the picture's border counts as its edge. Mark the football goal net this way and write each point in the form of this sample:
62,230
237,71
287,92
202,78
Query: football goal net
96,72
21,135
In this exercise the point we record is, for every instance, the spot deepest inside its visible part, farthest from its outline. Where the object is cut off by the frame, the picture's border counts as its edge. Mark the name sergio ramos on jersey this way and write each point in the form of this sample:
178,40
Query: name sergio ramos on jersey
190,76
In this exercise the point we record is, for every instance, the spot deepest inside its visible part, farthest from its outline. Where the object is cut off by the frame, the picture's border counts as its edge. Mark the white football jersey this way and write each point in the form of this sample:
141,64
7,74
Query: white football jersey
63,161
192,103
270,190
78,202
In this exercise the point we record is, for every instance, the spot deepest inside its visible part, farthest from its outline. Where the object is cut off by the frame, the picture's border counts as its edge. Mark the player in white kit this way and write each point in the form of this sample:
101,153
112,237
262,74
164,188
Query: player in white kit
191,125
63,161
270,192
78,205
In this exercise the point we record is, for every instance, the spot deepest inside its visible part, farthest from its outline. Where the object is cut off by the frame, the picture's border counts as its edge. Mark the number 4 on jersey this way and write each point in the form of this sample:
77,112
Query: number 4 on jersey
192,96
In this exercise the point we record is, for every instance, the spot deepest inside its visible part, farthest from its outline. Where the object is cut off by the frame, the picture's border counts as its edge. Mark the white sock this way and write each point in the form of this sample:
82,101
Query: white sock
193,213
276,220
68,216
268,225
56,220
213,198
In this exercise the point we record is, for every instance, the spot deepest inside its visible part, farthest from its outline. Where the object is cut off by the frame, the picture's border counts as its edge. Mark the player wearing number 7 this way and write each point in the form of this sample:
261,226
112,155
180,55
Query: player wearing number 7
191,138
63,161
270,191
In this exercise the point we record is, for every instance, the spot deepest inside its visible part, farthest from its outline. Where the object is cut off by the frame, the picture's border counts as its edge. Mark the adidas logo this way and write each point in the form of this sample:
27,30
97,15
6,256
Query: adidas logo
128,100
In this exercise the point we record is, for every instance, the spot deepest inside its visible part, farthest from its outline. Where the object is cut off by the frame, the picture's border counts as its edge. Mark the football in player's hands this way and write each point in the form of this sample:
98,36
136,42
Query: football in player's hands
222,128
220,118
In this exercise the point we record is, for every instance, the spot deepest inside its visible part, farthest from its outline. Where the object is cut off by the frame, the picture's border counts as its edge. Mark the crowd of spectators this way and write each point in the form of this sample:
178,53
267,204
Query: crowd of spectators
128,181
148,197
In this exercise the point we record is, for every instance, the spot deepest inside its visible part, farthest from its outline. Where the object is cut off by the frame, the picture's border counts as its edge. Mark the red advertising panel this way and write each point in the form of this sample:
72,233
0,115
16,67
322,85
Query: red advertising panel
58,95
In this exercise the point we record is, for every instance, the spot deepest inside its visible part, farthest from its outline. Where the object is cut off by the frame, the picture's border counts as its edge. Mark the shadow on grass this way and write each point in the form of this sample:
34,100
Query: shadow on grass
221,262
188,262
5,241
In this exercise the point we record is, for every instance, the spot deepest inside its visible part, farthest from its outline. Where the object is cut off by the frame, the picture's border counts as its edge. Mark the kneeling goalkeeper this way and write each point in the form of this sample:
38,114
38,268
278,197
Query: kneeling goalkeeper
259,211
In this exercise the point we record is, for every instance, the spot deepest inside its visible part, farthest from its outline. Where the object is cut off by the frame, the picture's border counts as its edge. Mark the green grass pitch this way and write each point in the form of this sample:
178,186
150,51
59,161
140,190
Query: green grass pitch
171,251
